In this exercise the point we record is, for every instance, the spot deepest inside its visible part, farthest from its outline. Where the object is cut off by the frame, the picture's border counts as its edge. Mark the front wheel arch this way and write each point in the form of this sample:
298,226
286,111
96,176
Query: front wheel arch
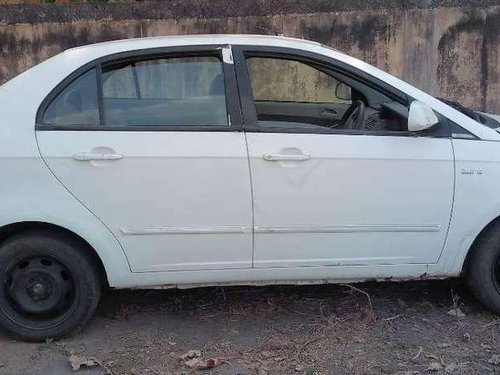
14,229
482,265
486,231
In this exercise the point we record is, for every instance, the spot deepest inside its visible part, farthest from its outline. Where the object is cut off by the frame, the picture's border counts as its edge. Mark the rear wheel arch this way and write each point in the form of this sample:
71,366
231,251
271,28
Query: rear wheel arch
14,229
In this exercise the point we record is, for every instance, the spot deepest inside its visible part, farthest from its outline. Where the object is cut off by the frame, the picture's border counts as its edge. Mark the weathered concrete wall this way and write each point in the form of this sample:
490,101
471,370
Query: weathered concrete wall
450,51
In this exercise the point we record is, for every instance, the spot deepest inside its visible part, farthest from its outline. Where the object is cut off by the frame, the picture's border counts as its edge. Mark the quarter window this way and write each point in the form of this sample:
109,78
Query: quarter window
181,91
77,104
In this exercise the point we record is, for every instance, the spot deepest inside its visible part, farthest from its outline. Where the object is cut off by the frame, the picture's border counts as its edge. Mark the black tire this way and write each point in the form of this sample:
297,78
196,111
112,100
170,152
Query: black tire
482,270
49,285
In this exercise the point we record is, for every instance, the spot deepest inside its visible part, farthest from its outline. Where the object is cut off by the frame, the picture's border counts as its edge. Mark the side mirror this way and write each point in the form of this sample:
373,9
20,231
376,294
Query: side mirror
421,117
342,91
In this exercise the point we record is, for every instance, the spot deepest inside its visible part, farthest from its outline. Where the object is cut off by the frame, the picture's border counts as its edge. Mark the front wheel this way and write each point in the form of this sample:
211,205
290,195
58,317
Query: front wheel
482,269
49,285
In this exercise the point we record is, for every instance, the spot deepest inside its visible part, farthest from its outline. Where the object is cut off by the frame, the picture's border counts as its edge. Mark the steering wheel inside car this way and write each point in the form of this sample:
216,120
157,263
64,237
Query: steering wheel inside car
354,116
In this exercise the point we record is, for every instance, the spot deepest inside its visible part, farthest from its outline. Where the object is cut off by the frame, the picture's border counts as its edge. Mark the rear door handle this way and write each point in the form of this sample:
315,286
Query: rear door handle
286,157
85,156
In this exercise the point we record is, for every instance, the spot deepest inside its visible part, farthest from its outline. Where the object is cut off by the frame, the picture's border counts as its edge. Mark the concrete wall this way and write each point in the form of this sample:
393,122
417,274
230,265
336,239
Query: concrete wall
448,48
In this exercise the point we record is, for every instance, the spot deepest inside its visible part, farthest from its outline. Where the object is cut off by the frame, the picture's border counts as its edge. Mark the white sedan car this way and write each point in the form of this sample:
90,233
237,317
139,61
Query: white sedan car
221,160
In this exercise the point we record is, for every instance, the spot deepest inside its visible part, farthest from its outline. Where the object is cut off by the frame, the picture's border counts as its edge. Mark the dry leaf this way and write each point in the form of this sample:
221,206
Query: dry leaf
204,364
267,353
456,312
494,360
194,362
432,356
190,354
443,345
434,367
450,368
77,362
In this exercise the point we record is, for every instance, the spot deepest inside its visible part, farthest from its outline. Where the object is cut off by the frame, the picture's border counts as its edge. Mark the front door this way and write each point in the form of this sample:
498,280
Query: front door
352,190
151,145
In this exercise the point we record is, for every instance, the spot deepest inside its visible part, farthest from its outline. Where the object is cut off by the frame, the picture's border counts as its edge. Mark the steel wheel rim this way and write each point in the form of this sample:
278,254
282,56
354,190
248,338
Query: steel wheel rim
39,289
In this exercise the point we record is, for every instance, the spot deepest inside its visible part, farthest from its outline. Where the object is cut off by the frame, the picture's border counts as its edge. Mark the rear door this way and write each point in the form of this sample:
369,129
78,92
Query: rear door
150,142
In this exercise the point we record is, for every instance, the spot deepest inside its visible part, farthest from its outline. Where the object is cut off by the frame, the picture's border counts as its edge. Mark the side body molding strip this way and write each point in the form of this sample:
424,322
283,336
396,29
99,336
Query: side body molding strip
365,228
187,230
362,228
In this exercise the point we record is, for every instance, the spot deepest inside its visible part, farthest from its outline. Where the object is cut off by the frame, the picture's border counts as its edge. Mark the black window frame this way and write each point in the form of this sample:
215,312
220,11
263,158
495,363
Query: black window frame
235,121
242,52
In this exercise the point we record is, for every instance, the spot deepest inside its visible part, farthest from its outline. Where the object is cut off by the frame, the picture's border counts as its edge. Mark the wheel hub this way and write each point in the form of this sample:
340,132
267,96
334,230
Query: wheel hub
38,291
40,286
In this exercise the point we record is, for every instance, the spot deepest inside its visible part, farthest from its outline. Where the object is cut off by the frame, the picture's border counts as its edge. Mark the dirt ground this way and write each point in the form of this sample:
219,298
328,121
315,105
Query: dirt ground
388,328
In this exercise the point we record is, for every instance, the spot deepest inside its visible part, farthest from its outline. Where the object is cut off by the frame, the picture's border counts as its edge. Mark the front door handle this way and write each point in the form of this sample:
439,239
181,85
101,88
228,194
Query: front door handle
85,156
286,157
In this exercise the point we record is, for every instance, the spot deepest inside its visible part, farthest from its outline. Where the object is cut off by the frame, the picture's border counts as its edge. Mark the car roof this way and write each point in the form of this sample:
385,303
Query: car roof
198,39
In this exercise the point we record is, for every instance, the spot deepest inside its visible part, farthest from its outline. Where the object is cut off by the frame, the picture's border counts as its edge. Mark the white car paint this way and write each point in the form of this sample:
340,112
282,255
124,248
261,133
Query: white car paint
493,116
175,183
459,200
357,194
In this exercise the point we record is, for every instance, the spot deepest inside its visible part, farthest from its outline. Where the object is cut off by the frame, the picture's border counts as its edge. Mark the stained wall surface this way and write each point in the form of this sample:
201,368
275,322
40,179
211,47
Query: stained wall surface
447,48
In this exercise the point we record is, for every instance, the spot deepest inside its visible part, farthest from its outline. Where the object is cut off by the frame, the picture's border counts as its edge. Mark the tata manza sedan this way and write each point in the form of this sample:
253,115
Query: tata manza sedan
222,160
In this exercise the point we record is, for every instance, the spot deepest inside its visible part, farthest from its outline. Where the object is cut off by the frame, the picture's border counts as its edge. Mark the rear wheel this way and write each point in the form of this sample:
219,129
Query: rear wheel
483,269
49,285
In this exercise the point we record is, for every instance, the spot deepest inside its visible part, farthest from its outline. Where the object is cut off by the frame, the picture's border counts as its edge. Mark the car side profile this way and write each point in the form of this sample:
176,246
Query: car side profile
202,160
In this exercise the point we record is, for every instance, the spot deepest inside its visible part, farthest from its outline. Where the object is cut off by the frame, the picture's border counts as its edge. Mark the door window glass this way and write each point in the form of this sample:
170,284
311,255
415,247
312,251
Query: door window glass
292,94
77,104
181,91
300,96
290,81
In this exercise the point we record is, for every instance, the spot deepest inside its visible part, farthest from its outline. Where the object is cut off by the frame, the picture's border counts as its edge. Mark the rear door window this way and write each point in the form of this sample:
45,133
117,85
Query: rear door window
177,91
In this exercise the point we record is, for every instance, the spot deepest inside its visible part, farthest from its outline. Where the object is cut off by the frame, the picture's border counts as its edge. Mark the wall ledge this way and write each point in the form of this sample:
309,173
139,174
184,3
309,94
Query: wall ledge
204,9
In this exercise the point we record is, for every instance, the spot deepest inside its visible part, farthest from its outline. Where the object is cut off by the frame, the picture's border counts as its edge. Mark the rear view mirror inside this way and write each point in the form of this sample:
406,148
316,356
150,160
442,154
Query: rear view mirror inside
343,92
